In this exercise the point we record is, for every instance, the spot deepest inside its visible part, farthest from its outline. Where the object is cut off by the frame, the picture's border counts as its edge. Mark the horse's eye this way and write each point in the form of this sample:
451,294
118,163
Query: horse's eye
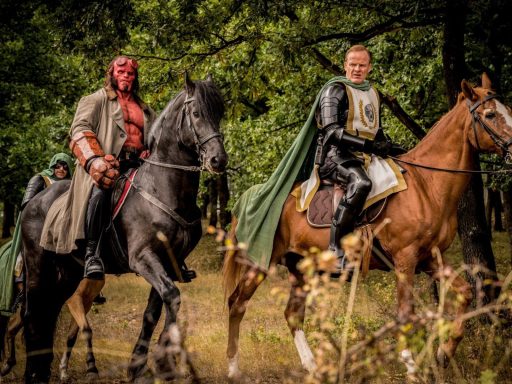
196,114
489,113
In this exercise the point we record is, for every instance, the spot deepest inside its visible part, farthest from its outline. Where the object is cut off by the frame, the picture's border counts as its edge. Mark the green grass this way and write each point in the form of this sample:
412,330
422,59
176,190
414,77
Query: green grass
267,351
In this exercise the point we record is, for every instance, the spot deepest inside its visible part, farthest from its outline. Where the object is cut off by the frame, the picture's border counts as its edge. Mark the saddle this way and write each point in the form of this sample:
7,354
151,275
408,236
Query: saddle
321,211
325,201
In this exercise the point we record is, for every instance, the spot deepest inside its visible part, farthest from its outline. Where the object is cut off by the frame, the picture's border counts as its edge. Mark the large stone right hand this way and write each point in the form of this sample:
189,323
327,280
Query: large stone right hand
104,171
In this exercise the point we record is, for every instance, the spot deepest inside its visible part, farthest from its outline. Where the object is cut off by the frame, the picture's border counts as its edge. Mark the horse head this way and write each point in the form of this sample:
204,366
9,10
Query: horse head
491,120
186,133
202,110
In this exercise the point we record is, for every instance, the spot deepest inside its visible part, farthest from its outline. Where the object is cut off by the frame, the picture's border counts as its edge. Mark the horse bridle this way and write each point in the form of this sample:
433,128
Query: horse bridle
199,142
475,117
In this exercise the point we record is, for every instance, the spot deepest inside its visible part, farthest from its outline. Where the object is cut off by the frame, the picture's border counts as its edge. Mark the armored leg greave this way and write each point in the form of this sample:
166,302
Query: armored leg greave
94,229
358,187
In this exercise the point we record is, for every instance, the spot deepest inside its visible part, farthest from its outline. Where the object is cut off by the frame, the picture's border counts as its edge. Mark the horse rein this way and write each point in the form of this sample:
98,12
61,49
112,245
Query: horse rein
475,117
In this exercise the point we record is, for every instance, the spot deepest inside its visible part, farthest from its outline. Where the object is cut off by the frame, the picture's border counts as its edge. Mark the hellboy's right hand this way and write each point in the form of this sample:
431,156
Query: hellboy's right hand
104,171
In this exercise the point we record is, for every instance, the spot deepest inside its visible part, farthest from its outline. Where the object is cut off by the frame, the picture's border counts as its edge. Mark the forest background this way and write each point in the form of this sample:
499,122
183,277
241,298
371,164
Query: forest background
269,59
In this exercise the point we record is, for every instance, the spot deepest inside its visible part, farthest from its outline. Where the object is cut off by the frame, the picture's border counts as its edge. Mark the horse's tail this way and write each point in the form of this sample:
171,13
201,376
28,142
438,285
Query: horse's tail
231,270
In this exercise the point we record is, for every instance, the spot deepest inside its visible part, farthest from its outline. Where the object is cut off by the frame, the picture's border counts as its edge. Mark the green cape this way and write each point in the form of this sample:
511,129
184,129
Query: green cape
10,250
258,210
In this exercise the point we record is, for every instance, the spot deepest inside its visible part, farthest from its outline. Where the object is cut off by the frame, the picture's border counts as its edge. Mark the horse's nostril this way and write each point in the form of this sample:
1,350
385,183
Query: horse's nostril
218,162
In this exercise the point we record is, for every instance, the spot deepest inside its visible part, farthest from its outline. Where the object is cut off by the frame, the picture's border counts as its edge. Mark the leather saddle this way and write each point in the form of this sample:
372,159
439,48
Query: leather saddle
323,205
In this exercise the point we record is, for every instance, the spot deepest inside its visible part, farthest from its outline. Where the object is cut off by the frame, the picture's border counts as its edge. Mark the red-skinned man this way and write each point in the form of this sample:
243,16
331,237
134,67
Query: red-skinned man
108,135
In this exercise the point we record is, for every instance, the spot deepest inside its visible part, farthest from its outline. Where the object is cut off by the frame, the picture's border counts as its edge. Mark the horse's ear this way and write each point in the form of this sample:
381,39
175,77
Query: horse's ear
189,85
486,81
467,90
209,78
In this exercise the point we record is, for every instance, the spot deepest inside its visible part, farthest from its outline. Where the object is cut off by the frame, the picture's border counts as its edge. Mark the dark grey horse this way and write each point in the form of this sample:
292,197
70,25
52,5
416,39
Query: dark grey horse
161,205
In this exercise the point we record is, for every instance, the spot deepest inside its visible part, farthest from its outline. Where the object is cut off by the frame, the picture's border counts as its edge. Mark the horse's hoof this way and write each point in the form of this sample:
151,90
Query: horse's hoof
6,368
236,378
442,358
147,378
92,376
64,378
137,372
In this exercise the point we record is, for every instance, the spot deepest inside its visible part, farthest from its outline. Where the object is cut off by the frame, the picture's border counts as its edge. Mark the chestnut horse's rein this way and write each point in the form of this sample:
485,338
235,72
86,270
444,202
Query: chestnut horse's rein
449,170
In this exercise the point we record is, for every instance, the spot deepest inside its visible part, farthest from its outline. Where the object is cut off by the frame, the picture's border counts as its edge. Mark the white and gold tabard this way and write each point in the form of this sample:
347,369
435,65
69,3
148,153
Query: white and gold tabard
363,115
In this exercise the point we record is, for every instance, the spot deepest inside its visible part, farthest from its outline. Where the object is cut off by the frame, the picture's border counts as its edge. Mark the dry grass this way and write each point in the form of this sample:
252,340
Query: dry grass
267,351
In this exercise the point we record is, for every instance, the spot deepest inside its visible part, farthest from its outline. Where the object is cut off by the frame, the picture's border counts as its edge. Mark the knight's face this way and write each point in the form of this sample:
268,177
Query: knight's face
357,66
124,74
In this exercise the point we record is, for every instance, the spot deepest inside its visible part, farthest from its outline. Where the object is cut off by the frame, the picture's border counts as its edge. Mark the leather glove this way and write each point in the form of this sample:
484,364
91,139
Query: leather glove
104,171
396,150
382,147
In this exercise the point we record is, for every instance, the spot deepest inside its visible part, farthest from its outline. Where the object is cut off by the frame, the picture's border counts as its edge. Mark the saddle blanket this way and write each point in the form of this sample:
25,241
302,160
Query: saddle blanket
385,174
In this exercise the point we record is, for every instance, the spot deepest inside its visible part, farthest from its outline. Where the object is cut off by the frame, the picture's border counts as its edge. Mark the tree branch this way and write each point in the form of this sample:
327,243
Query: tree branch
405,119
388,26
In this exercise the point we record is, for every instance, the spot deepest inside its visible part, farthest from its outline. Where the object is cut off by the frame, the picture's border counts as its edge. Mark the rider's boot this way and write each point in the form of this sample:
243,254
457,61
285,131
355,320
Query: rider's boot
342,224
94,268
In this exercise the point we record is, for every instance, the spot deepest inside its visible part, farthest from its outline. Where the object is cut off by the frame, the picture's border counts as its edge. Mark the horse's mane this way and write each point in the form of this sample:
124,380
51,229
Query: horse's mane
206,94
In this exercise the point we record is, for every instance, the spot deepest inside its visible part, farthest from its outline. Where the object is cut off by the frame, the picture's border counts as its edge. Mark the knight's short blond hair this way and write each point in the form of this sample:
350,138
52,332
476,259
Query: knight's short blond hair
358,48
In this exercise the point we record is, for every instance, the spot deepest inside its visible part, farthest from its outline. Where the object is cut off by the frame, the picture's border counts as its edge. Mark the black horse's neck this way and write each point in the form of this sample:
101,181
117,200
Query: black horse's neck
169,175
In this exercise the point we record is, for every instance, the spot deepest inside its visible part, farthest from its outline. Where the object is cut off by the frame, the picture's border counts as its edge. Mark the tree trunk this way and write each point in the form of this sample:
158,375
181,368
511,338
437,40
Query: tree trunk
473,231
498,209
493,205
224,213
8,220
488,209
476,242
507,205
216,201
213,192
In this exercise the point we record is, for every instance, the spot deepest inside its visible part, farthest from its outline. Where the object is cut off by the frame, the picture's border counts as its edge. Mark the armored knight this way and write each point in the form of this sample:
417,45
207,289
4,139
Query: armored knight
348,121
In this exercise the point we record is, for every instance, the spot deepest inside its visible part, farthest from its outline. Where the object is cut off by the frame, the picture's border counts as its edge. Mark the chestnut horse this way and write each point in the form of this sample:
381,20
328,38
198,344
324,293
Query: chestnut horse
422,217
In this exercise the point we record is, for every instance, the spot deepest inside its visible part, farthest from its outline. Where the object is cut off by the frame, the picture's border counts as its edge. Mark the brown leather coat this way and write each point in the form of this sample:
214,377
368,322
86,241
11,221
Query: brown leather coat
100,113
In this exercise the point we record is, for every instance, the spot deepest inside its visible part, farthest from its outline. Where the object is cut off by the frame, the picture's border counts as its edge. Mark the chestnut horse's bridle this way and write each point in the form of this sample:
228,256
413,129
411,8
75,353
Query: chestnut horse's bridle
502,144
475,117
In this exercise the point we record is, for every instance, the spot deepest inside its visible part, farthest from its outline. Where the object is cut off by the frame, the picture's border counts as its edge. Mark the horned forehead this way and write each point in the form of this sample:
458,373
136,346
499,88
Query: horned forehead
126,62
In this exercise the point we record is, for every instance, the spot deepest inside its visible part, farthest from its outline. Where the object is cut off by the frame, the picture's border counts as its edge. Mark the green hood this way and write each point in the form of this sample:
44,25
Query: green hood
56,158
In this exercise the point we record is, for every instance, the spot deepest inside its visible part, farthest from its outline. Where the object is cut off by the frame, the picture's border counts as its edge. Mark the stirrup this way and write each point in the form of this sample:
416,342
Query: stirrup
341,265
94,268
